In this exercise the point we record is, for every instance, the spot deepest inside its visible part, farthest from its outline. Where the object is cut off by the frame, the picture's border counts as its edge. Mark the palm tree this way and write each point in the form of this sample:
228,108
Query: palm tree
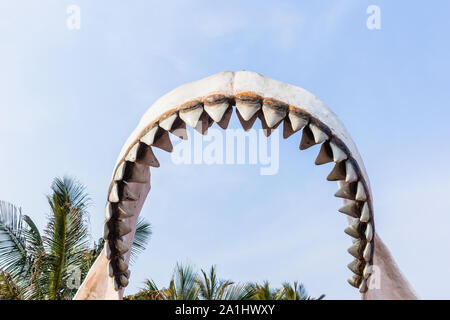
39,266
264,292
213,289
297,292
187,285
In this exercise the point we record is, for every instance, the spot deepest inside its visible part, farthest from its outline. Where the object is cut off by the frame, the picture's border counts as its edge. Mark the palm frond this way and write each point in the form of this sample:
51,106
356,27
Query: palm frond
66,235
9,289
183,285
13,246
141,238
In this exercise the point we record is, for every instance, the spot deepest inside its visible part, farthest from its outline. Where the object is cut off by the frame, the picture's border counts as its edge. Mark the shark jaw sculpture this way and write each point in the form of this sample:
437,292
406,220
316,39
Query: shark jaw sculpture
199,104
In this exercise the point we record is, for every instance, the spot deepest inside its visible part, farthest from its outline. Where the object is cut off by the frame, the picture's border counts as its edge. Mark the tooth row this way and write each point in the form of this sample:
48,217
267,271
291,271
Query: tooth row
354,192
200,115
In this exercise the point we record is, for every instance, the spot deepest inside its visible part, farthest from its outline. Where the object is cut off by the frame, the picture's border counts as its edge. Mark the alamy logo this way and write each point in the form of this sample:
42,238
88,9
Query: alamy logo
233,146
374,20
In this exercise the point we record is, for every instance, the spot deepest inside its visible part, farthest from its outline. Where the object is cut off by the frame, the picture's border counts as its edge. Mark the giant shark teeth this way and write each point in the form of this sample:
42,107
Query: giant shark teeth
367,271
105,233
338,154
351,209
356,266
297,121
369,232
367,254
121,264
347,191
108,252
363,286
121,246
273,112
163,141
247,105
319,135
216,111
351,175
338,172
122,228
247,124
204,123
325,154
353,230
114,193
226,118
157,137
307,139
355,281
149,137
191,114
365,213
356,249
360,192
168,122
200,115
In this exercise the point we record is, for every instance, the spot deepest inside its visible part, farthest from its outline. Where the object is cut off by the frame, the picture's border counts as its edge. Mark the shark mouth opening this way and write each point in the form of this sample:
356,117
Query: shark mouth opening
199,105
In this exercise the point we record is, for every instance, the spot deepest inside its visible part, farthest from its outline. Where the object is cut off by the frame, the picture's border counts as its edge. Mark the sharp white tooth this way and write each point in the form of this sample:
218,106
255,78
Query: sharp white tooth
121,264
361,193
319,135
191,115
365,213
122,228
108,211
216,111
355,249
353,229
120,171
149,137
347,191
124,213
121,245
351,175
367,254
105,231
369,232
226,119
246,125
167,123
297,122
355,266
133,153
350,209
273,115
114,194
367,271
247,109
107,250
123,280
338,154
354,281
110,269
338,172
363,287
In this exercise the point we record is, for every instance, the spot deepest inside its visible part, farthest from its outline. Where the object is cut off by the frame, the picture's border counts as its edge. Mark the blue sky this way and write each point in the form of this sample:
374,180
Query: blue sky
70,98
